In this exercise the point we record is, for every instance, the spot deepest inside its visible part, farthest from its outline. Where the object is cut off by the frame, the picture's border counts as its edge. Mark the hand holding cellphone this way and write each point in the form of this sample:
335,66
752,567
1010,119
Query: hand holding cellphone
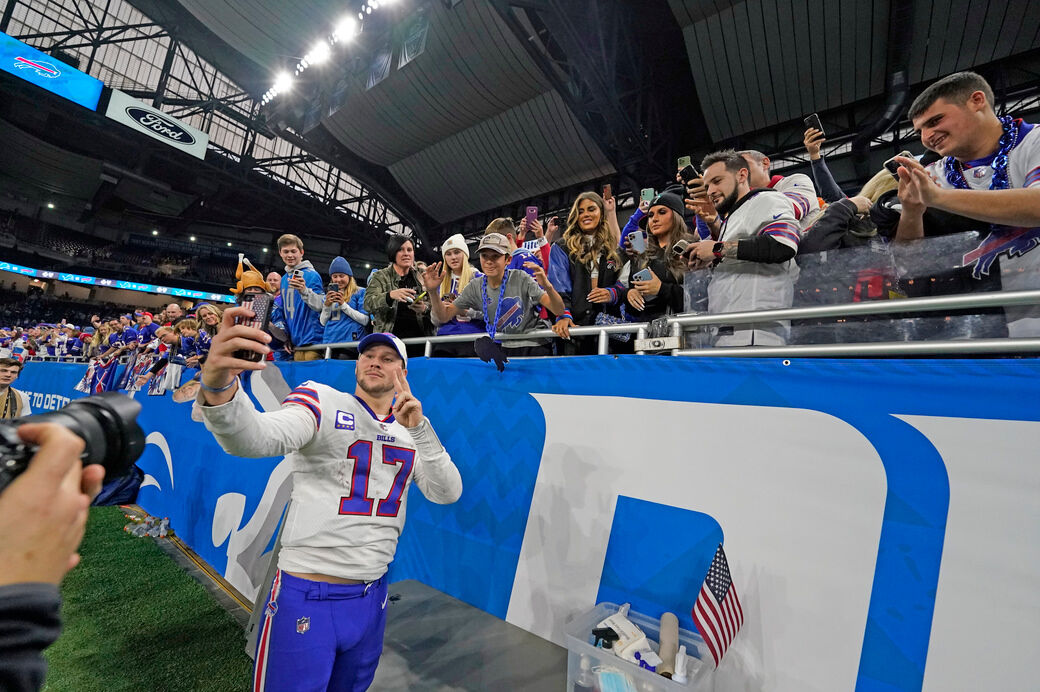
607,192
892,166
642,275
530,218
638,241
688,173
647,194
813,122
260,304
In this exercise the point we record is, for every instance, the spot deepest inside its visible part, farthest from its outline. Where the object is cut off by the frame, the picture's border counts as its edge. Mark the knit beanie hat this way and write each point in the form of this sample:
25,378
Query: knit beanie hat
455,242
340,266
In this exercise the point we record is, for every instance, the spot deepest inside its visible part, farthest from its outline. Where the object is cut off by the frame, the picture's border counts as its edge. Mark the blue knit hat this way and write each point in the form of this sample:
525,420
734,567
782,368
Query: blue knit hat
340,266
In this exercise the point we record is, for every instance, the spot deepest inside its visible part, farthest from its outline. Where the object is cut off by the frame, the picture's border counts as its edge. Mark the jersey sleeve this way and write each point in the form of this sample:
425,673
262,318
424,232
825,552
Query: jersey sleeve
306,397
801,193
435,473
243,431
780,222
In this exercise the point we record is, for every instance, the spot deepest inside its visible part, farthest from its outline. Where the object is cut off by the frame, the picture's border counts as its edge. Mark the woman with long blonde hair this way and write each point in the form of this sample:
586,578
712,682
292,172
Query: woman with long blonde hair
458,272
584,266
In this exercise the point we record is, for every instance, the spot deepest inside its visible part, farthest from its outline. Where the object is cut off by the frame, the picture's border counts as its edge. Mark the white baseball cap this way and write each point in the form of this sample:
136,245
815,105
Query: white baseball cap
386,339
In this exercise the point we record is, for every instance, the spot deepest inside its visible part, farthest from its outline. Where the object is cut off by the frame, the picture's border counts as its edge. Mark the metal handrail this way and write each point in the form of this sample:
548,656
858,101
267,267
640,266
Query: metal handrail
677,322
879,348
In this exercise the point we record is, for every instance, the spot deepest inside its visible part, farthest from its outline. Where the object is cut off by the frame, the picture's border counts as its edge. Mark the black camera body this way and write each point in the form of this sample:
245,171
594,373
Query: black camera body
107,424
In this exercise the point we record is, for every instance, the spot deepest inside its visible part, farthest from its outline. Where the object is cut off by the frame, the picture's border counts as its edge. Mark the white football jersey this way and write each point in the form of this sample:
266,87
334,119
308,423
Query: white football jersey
738,285
351,474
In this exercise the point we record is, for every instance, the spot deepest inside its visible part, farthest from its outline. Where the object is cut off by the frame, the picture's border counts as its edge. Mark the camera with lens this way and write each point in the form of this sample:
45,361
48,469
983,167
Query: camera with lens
107,423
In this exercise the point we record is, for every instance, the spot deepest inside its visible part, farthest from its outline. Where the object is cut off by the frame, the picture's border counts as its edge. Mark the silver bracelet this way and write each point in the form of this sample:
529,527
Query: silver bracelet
217,390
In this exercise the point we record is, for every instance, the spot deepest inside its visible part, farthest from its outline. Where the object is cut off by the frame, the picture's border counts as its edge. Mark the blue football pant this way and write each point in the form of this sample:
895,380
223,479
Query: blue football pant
318,637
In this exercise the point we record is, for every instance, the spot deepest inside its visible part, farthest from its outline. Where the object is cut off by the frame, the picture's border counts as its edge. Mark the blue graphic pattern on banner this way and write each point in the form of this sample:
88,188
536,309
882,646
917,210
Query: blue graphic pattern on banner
495,431
49,73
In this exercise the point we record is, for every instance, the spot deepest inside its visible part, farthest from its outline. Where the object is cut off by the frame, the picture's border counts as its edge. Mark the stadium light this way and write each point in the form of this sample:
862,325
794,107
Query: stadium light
50,205
368,266
229,244
192,239
319,54
265,249
155,232
346,30
282,83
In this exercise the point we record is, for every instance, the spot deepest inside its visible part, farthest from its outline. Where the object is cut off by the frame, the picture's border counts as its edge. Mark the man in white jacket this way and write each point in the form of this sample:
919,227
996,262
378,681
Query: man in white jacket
354,457
14,403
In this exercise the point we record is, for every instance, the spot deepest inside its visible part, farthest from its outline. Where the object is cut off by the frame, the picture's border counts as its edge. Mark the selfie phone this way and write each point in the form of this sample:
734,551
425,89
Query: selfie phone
688,173
638,241
680,247
684,161
813,121
333,287
892,166
530,217
647,194
642,275
607,192
260,304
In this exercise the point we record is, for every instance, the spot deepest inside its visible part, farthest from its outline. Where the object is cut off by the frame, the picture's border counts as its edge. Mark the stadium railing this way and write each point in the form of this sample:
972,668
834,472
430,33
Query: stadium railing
680,323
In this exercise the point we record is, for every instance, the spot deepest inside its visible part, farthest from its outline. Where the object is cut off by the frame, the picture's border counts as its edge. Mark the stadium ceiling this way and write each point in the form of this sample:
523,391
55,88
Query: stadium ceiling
532,100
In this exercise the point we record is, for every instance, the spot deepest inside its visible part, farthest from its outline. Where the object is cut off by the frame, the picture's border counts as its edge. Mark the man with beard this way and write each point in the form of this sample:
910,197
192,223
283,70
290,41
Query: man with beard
752,262
353,458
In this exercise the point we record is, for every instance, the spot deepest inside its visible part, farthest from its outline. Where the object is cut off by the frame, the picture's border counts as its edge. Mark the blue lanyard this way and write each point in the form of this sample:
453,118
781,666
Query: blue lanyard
492,327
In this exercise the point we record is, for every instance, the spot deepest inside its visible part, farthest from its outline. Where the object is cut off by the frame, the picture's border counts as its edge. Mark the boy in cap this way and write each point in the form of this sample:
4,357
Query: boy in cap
507,298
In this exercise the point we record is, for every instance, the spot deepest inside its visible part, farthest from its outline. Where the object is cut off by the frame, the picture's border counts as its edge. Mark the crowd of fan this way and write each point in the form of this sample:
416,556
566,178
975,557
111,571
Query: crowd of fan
734,223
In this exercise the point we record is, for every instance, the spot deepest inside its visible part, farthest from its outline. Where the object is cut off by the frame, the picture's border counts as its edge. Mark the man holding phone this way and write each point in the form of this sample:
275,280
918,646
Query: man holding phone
989,173
303,295
354,458
752,262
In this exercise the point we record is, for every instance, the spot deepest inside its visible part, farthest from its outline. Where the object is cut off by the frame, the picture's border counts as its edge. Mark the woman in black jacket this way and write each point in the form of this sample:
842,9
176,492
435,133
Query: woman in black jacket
667,234
584,260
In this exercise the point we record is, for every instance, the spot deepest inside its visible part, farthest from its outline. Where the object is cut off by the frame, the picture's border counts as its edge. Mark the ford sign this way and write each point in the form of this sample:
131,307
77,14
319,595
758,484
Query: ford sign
158,124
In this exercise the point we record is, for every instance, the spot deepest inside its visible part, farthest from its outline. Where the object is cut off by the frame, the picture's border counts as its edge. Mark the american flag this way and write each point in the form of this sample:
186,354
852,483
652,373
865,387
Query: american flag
717,612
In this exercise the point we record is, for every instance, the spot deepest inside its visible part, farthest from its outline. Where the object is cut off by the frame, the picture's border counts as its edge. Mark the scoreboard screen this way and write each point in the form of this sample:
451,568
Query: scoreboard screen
25,62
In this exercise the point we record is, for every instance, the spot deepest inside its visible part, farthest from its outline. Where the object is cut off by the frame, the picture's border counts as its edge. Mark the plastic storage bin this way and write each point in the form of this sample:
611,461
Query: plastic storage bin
579,640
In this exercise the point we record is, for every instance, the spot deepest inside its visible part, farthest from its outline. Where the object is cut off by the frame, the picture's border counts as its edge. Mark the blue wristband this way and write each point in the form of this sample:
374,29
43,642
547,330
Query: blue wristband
217,390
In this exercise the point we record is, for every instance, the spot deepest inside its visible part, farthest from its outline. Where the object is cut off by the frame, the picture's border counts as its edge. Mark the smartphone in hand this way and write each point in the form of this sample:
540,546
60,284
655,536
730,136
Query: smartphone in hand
530,218
683,162
688,173
642,275
607,192
813,121
260,304
647,194
638,241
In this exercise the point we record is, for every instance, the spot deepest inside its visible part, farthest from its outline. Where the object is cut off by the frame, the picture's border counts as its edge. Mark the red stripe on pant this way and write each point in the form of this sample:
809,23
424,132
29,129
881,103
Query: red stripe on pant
260,672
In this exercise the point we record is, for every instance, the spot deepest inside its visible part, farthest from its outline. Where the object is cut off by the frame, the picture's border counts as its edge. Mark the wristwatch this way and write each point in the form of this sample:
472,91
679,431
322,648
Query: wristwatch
717,251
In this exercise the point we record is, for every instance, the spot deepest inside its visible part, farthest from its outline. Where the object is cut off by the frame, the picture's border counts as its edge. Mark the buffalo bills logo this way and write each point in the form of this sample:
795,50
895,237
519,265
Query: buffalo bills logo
1013,242
41,68
512,313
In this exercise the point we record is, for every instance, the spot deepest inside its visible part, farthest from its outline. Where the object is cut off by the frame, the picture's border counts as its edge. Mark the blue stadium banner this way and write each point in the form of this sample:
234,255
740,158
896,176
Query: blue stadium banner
50,275
881,518
45,71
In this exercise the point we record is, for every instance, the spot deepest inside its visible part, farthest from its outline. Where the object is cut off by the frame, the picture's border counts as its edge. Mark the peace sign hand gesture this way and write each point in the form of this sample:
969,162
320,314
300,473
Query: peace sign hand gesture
407,408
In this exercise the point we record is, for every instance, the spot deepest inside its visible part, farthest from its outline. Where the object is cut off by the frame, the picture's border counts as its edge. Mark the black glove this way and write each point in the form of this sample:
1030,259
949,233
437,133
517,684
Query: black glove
488,350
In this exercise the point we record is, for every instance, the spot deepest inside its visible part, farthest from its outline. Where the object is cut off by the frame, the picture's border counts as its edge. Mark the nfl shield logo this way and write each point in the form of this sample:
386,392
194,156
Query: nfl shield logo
302,625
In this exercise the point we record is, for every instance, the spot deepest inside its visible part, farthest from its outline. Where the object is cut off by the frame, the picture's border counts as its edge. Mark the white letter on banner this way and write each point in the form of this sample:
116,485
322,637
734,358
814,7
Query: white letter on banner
987,607
799,494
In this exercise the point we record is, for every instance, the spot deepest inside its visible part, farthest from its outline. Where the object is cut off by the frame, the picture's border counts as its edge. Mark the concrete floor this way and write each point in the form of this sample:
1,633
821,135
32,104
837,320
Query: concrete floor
437,643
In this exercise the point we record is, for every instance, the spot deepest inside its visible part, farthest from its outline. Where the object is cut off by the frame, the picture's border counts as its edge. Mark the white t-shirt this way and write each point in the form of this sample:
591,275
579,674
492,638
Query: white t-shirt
1015,247
739,285
351,474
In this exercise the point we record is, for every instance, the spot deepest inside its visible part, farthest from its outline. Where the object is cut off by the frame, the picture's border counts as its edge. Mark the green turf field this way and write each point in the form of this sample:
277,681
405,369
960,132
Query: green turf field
135,621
